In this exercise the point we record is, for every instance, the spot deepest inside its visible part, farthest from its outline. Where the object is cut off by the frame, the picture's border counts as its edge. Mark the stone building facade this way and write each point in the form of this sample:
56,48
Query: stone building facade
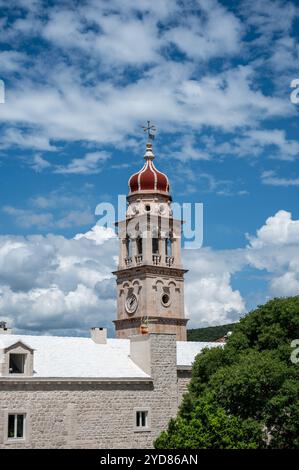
95,412
96,395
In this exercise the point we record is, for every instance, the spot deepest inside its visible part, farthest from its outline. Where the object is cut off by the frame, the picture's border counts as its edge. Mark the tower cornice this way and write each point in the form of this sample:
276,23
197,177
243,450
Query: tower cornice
150,269
152,318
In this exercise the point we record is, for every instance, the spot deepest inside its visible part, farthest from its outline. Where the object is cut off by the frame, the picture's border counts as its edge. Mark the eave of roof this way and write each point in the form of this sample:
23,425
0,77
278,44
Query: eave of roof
71,380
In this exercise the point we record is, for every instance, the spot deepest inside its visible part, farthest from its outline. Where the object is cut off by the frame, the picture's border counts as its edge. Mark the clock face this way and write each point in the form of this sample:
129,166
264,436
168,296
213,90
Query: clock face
131,303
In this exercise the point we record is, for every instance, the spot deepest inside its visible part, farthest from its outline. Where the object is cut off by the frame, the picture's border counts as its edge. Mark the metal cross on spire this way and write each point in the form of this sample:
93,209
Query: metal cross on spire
150,129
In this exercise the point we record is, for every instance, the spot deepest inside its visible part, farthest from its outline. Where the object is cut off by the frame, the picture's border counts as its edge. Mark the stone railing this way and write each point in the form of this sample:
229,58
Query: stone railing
128,262
138,259
156,260
169,260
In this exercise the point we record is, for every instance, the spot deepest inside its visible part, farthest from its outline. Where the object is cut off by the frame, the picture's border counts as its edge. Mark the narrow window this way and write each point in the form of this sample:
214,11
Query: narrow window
129,247
139,245
155,246
17,363
16,426
168,247
141,419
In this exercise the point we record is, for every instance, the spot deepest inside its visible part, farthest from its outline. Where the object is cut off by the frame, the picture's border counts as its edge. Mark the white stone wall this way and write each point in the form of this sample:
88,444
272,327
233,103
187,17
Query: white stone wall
184,377
95,415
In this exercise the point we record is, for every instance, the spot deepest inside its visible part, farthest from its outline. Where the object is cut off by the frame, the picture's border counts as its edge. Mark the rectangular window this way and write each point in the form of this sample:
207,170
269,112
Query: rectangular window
16,426
17,363
141,419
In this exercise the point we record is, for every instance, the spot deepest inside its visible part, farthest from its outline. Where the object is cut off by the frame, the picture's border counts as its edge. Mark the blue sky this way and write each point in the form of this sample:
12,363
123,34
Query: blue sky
80,79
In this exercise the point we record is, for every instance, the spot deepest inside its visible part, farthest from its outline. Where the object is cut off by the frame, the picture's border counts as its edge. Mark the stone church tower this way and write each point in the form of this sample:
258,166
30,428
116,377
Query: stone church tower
150,276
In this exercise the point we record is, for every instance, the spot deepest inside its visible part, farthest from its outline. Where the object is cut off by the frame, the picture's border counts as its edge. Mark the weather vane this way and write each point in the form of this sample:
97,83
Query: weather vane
150,129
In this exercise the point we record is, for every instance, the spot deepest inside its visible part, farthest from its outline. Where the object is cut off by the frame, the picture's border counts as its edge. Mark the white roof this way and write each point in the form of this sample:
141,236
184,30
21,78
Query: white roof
75,357
61,356
188,350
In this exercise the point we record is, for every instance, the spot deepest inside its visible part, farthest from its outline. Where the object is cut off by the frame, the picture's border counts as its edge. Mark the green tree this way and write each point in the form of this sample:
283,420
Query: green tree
246,394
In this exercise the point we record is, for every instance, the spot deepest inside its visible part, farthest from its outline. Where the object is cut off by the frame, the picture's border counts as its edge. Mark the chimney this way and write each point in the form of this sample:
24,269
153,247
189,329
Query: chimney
140,351
99,335
155,354
3,328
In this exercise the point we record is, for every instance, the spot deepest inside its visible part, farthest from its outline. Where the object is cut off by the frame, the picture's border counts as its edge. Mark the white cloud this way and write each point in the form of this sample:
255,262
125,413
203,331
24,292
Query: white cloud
275,248
57,210
26,139
11,61
52,309
270,17
286,149
67,109
278,230
248,143
285,56
55,100
192,179
202,37
27,218
59,198
64,28
75,218
91,163
270,178
121,37
98,234
133,41
273,25
39,163
217,303
210,297
186,148
51,283
285,285
227,100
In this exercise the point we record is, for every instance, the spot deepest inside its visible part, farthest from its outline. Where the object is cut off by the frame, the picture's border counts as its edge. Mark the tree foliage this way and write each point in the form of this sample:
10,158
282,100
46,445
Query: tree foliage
209,333
246,394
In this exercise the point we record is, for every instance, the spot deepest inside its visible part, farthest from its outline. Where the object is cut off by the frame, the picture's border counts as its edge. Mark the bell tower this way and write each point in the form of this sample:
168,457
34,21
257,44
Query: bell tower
150,276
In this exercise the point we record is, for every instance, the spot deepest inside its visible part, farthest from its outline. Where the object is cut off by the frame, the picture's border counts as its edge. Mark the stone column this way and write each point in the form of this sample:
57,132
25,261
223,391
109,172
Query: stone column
134,251
147,246
176,243
122,245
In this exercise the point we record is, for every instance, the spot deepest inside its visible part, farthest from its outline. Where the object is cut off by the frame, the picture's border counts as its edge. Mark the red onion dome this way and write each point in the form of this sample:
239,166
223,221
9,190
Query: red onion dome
149,178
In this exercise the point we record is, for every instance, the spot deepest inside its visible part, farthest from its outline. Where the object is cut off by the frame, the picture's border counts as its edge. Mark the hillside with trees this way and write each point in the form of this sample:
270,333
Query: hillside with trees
209,333
246,394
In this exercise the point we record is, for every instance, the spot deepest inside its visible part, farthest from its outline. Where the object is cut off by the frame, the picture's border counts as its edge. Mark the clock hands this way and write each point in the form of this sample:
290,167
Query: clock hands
131,303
